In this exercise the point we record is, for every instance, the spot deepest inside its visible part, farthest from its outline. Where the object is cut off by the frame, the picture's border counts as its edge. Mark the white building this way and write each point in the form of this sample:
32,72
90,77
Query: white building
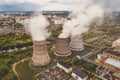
116,44
60,21
65,66
113,62
77,75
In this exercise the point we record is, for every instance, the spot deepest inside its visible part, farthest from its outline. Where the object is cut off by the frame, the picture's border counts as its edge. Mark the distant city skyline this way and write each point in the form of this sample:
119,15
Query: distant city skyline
32,5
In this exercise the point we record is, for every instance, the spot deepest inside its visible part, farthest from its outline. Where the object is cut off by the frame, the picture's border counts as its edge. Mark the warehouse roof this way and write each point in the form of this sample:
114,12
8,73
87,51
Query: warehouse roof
80,74
113,62
112,52
64,64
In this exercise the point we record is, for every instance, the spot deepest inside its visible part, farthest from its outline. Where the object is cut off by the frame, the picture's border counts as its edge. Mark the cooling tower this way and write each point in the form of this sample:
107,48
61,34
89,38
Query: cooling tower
40,54
76,43
62,47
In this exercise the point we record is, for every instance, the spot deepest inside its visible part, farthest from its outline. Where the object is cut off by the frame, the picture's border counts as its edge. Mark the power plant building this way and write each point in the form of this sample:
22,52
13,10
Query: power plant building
65,66
78,75
62,47
116,45
111,60
76,43
40,54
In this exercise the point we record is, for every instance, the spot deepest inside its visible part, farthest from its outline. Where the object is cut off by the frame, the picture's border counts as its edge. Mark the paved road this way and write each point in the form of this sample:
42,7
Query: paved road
91,54
11,50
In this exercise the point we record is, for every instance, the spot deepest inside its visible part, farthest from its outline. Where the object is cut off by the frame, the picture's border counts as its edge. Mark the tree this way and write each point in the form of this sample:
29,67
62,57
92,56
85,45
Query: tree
10,76
9,61
18,25
90,67
3,71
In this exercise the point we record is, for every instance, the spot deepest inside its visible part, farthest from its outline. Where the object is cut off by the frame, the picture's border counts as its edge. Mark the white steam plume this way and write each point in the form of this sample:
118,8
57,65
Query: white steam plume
113,5
37,26
82,17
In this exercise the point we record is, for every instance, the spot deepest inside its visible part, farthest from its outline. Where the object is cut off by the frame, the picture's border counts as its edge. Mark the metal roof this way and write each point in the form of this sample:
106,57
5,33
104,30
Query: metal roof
112,52
113,62
64,64
80,74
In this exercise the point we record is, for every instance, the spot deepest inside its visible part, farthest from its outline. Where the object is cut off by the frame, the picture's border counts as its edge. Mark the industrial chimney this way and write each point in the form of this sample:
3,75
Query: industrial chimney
76,43
40,54
62,47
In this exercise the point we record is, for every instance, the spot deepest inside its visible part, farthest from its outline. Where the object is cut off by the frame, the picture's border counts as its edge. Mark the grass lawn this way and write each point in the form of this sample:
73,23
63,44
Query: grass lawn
90,35
25,72
8,58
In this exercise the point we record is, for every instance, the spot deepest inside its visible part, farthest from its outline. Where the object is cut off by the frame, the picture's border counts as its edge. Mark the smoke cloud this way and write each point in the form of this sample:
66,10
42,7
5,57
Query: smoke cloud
109,4
37,26
83,14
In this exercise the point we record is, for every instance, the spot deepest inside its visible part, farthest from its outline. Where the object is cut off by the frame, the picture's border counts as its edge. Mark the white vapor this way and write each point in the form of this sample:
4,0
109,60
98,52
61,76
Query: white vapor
55,7
37,26
110,4
83,14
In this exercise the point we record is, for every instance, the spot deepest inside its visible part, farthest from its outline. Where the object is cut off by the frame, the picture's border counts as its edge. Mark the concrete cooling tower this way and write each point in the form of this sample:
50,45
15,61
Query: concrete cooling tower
62,47
40,54
76,43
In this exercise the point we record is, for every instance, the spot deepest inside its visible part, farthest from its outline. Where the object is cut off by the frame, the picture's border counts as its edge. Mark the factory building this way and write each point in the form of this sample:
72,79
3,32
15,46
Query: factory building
111,54
65,66
111,59
78,75
112,64
116,45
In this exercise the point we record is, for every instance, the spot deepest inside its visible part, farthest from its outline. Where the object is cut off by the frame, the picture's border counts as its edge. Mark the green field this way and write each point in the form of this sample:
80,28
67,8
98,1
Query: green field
7,59
10,41
25,72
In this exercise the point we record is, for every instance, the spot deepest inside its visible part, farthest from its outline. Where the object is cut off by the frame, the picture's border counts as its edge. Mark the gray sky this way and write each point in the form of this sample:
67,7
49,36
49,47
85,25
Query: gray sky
12,5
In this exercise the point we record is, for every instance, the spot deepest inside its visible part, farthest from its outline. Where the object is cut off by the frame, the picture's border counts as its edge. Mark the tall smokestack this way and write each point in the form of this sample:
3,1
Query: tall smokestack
40,54
37,25
62,47
76,43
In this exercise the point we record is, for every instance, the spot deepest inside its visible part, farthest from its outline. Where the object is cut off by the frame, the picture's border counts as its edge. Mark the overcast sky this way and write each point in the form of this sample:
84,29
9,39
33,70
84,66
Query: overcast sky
33,5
